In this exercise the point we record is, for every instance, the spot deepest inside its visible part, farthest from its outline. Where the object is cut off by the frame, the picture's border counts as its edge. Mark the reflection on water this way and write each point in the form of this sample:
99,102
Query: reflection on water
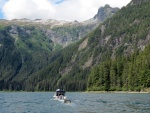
42,102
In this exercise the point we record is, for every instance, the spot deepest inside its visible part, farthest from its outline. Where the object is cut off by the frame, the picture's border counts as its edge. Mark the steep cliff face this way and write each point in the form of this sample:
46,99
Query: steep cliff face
69,32
104,13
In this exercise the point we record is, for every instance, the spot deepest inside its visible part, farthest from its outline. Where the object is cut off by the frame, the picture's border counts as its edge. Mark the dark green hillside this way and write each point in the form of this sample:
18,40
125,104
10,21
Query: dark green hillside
135,2
55,75
130,73
115,56
8,53
125,64
21,54
29,56
116,40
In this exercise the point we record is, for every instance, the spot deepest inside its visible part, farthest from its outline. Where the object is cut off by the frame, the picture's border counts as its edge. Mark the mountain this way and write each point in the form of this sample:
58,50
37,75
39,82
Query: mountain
63,33
122,51
115,56
105,12
28,46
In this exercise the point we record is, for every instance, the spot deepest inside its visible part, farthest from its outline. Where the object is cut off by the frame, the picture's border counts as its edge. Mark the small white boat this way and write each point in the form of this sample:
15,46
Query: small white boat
60,95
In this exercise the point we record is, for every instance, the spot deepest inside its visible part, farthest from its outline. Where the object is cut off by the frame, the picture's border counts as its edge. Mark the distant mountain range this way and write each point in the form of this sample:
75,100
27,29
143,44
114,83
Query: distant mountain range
64,32
111,51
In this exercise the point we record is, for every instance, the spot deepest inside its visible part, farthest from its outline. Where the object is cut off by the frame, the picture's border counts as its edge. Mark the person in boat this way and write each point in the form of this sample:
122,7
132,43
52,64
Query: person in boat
60,94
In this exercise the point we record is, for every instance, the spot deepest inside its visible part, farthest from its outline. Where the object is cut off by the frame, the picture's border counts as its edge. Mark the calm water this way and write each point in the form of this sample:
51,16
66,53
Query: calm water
41,102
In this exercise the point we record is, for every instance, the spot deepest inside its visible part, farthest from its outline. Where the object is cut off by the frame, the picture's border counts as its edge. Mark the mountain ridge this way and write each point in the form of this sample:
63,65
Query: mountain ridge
105,59
120,36
62,32
27,46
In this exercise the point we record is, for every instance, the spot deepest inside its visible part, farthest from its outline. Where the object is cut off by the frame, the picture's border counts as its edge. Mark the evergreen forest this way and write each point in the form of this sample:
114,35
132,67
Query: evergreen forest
113,57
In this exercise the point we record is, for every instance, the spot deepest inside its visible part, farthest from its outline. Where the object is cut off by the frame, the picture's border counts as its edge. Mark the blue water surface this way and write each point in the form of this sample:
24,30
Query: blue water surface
42,102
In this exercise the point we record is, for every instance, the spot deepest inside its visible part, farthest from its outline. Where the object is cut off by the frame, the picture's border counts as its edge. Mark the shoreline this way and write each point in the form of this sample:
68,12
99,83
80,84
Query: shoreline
119,92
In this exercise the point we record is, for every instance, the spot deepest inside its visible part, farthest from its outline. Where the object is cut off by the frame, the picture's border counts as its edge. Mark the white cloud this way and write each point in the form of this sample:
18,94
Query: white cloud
56,9
115,3
31,9
76,9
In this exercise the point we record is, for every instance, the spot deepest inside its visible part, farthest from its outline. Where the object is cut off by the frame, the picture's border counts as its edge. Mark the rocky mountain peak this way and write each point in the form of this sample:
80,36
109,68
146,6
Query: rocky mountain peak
105,12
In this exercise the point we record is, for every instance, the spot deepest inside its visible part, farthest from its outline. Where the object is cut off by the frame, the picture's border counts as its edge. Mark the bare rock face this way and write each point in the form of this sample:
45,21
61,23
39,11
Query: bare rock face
61,33
105,12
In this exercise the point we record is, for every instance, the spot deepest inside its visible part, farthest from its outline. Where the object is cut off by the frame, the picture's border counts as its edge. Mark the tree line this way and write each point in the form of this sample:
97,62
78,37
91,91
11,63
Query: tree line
122,73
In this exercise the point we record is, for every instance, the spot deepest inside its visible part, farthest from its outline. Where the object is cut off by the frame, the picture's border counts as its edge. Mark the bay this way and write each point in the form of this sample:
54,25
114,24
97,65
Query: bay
42,102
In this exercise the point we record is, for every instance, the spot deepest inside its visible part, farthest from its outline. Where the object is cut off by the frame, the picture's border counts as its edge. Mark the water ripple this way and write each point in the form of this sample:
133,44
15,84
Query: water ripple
41,102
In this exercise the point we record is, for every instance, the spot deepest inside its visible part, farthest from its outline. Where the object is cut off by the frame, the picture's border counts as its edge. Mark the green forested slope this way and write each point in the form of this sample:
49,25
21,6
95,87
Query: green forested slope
28,50
117,52
126,33
114,44
130,73
20,54
126,64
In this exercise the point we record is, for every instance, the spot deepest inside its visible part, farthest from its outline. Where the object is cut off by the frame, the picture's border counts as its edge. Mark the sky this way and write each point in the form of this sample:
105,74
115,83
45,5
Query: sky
69,10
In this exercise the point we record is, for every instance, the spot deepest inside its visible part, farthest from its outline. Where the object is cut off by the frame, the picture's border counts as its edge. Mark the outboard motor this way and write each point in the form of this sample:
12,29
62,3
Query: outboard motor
66,100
